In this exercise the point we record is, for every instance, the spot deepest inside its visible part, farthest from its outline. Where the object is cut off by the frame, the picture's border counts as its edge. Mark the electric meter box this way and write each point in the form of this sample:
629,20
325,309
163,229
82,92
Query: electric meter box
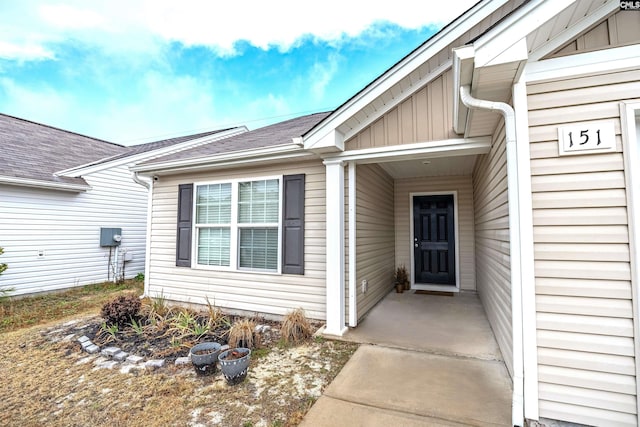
110,236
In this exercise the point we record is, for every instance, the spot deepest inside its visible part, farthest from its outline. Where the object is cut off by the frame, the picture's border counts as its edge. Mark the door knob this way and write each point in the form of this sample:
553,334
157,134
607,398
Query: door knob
415,244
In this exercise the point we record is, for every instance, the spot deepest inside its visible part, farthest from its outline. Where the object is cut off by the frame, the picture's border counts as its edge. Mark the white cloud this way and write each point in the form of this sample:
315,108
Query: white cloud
321,75
31,27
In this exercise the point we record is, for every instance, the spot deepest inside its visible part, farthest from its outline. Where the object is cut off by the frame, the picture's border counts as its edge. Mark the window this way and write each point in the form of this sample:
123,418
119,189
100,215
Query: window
238,224
213,214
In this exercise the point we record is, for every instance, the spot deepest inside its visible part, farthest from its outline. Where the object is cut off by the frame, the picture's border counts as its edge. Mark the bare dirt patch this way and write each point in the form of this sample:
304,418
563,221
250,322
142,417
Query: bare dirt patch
54,383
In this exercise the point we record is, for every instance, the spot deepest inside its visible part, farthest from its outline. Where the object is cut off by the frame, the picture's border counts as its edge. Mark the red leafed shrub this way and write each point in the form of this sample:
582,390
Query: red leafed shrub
121,310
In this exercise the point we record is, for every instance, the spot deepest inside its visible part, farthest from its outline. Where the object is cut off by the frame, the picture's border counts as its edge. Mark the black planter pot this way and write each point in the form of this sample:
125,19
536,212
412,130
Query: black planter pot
205,364
235,370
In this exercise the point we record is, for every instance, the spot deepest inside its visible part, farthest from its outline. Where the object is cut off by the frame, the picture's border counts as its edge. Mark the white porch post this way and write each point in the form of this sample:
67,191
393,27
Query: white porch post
335,247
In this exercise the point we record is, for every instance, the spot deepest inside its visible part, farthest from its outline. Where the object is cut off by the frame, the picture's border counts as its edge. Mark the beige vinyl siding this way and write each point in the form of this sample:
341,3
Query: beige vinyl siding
492,242
251,291
375,237
426,115
620,29
583,282
65,226
403,218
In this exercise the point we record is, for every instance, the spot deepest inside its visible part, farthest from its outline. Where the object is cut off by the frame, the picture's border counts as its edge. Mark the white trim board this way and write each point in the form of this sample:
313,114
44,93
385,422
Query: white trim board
427,150
435,287
583,64
630,118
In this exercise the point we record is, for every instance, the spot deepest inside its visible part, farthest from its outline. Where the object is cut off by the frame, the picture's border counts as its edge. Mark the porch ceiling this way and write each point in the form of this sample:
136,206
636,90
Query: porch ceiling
444,166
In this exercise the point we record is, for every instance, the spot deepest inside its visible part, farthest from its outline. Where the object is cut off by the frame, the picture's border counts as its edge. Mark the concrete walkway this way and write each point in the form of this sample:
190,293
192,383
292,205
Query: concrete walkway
434,363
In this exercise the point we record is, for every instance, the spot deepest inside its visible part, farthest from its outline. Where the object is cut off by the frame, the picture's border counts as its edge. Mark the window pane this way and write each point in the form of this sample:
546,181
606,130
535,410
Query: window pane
259,248
213,204
213,246
258,202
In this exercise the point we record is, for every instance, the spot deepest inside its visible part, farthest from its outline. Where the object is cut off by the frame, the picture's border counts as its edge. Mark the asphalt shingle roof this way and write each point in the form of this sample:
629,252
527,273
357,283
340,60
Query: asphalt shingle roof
150,146
276,134
31,150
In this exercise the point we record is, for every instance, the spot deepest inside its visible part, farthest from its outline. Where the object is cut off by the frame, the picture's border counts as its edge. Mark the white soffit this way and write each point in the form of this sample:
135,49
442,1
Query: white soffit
565,26
448,166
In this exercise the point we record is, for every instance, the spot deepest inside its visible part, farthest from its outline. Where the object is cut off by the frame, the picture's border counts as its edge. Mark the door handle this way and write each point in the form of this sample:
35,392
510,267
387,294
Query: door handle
415,245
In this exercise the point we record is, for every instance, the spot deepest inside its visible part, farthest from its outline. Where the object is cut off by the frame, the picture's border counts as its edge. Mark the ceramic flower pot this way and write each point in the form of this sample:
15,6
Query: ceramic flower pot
234,364
204,357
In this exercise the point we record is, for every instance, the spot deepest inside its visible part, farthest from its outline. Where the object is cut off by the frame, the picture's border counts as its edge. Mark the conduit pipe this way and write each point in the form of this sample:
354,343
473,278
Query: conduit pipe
517,401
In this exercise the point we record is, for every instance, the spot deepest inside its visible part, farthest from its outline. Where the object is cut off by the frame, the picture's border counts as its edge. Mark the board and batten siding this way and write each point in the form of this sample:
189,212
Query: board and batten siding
492,256
375,236
404,216
261,292
426,115
582,270
65,227
620,29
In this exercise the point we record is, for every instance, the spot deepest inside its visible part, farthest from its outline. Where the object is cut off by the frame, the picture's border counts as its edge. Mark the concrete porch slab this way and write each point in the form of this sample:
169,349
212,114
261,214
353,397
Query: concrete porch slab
455,325
404,387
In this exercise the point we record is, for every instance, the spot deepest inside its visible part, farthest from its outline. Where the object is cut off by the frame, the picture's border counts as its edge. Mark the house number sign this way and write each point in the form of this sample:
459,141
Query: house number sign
587,138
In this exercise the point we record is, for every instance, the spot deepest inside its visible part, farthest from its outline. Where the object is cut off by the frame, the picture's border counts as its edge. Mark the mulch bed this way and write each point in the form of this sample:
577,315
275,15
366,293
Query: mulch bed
159,342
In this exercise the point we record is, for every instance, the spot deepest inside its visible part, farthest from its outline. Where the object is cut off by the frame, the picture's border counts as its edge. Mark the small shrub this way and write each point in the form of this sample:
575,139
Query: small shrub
401,275
216,316
3,266
295,327
242,334
121,310
156,310
139,277
109,331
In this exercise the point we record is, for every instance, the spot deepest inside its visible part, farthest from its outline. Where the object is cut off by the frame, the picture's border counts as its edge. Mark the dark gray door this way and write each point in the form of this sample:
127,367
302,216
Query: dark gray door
434,240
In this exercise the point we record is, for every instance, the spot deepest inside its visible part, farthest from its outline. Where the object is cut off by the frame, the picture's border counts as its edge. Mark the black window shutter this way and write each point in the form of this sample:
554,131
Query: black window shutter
183,240
293,224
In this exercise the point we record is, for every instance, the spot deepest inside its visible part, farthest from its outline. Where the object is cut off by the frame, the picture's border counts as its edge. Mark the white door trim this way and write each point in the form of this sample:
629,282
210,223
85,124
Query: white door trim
446,288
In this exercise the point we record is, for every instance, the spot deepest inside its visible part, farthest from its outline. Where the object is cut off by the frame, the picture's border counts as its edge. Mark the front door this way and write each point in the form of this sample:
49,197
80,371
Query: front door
434,240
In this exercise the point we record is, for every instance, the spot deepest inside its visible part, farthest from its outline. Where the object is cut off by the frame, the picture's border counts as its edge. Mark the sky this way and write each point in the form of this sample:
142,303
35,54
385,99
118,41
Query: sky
135,71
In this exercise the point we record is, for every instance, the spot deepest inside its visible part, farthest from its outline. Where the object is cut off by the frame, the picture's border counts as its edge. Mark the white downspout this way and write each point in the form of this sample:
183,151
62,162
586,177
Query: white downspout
517,402
147,251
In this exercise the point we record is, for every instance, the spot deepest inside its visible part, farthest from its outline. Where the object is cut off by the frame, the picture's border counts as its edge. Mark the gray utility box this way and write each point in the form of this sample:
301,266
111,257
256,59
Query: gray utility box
110,236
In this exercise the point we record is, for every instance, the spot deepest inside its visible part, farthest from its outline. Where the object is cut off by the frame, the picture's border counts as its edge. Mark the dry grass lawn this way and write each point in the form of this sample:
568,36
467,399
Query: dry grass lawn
56,384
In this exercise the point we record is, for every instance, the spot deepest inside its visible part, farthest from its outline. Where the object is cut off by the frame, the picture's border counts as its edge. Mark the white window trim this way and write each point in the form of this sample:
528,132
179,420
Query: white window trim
446,288
234,256
630,130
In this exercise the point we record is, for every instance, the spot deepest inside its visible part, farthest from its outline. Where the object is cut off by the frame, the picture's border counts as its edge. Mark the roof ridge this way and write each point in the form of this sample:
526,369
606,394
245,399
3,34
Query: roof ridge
63,130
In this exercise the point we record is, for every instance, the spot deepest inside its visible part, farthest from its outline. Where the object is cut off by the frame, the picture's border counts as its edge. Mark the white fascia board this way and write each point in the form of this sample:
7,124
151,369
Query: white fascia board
515,27
236,158
331,141
47,185
403,68
432,149
463,65
147,155
486,56
555,43
601,61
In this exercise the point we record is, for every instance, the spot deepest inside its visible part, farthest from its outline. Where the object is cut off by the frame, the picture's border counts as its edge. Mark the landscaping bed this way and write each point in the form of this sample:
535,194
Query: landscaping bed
53,381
